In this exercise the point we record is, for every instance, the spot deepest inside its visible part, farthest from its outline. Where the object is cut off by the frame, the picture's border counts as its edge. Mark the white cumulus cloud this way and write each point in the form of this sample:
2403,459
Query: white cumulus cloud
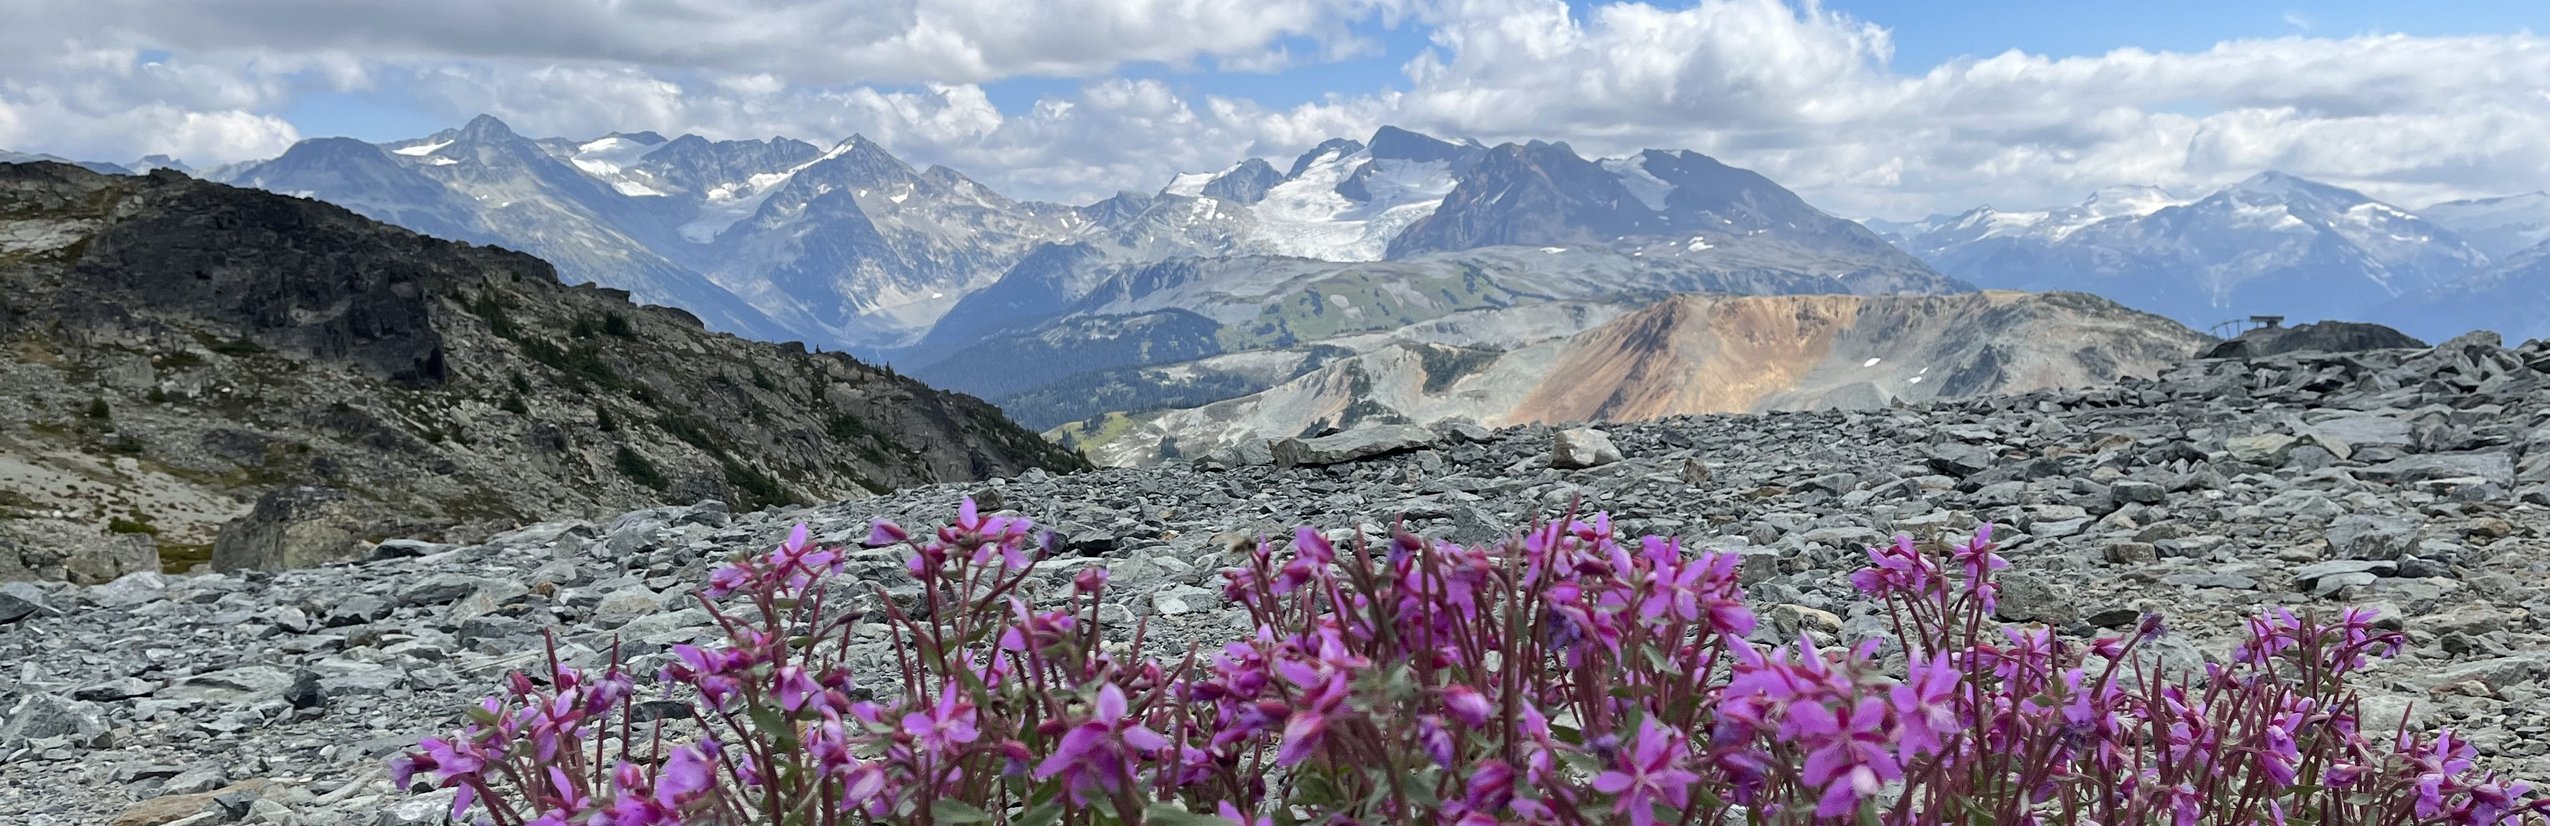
1808,95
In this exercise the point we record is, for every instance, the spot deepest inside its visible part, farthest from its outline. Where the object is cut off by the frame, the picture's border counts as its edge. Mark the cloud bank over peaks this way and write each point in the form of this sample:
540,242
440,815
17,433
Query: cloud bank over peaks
1075,99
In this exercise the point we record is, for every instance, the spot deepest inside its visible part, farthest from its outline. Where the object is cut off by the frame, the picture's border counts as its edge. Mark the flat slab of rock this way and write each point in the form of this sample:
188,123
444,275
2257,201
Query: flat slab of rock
167,809
243,685
1360,443
2494,468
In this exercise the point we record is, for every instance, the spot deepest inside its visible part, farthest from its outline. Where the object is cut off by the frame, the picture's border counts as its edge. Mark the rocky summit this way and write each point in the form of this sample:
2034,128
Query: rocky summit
2415,481
193,372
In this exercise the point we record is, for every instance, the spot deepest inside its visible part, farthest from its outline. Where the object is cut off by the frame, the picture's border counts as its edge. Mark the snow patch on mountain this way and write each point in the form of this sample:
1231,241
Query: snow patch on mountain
1189,184
727,204
609,155
1648,188
608,160
1308,217
422,149
2052,224
2112,202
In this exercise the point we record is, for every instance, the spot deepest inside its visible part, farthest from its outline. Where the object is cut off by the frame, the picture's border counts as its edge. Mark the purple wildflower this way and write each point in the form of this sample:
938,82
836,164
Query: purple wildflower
941,728
1849,759
1098,755
1649,774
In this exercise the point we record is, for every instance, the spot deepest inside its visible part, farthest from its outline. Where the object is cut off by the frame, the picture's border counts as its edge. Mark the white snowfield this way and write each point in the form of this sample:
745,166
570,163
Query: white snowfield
609,159
1307,217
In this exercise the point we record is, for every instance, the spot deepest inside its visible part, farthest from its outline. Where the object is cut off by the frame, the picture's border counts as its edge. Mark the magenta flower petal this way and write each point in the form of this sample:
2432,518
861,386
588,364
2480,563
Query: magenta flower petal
1111,704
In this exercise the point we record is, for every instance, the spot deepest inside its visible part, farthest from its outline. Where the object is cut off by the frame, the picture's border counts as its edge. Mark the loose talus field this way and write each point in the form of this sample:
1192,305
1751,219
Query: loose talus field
2415,481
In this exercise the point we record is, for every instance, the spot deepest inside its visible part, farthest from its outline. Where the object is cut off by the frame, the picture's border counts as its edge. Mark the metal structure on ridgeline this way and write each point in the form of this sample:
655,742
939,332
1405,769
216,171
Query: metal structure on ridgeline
2236,328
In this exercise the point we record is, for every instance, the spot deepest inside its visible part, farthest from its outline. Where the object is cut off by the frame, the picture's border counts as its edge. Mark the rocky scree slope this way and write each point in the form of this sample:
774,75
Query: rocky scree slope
173,350
1678,356
2415,481
1069,317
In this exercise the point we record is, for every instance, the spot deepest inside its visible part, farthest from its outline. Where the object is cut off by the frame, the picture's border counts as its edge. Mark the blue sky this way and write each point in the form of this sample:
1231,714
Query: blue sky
1929,32
1872,107
1926,33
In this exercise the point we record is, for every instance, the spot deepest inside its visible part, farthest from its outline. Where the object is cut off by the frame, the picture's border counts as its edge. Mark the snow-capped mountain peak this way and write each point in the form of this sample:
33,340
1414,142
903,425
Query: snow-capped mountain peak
2271,244
1394,143
2051,224
1191,184
2499,227
847,244
1345,200
486,129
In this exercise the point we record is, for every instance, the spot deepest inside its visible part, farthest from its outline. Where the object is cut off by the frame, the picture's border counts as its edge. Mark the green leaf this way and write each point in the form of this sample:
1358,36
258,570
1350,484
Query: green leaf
1314,788
1581,761
1657,662
951,810
767,719
1046,814
1171,814
1418,788
973,683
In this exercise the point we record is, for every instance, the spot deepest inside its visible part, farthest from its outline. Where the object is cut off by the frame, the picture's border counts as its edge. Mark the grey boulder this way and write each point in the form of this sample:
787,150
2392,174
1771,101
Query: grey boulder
1360,443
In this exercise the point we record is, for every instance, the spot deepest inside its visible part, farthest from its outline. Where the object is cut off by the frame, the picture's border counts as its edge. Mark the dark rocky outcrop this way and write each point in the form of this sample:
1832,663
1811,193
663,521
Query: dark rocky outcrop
173,350
2320,337
1246,183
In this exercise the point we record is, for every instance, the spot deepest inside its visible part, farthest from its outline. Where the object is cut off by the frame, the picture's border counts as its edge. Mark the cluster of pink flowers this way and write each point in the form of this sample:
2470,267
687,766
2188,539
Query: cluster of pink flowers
1566,676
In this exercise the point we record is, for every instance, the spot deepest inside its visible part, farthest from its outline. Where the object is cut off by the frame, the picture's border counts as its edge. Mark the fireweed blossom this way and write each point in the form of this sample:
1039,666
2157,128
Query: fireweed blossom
1101,755
941,728
1565,676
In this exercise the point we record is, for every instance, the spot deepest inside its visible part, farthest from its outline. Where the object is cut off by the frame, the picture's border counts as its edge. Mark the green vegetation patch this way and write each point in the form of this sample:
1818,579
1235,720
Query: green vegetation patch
637,468
1364,300
758,490
233,347
1445,365
1097,432
180,557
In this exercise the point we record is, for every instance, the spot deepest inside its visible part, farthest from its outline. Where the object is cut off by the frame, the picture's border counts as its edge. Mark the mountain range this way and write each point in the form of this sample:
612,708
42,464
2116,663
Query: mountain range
850,247
2273,244
1131,314
1231,281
